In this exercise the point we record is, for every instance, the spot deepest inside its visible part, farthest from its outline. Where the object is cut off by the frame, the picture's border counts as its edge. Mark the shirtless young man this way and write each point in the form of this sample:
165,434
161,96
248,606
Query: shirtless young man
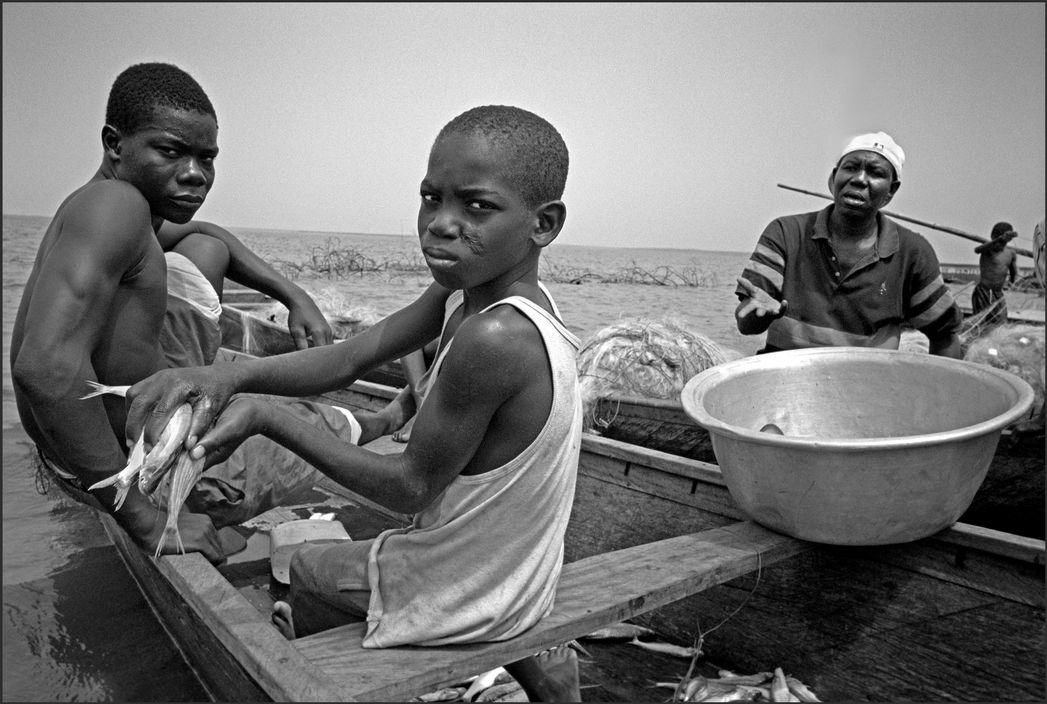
490,466
97,303
997,264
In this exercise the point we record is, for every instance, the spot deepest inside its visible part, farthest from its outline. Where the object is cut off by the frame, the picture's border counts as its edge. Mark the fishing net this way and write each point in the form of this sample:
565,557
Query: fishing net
643,357
345,319
981,323
1016,348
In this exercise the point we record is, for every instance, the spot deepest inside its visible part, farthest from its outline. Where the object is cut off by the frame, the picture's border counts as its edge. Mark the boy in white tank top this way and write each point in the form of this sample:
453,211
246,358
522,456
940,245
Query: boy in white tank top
489,470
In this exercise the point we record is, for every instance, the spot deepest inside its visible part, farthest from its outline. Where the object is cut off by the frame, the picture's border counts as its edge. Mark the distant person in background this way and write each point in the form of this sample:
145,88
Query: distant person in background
125,284
847,275
997,264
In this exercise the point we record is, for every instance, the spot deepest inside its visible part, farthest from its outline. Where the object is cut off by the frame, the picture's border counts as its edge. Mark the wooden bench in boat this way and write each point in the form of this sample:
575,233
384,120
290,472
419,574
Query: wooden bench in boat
594,592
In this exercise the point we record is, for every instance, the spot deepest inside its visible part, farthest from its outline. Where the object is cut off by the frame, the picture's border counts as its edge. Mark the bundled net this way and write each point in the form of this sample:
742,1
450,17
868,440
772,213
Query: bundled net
982,322
1016,348
344,318
645,358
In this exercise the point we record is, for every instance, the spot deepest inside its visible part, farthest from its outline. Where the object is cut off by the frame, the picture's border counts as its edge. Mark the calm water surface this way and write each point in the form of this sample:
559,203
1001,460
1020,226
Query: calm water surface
76,628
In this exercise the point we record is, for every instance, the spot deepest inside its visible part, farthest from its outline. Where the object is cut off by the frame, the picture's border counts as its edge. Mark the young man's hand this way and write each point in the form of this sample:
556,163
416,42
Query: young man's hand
241,419
305,321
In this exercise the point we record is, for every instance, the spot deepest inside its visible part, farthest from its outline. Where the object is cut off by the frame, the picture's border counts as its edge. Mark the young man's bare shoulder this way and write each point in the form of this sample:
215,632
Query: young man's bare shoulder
107,208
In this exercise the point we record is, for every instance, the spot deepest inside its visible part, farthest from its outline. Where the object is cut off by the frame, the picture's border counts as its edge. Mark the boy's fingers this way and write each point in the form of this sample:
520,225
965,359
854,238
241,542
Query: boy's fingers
203,415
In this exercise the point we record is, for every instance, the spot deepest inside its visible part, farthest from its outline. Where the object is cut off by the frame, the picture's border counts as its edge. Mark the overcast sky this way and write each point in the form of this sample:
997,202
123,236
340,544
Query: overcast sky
680,118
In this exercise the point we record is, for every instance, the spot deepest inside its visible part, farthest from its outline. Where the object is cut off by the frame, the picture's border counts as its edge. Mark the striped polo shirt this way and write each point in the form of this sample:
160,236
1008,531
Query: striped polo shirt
899,283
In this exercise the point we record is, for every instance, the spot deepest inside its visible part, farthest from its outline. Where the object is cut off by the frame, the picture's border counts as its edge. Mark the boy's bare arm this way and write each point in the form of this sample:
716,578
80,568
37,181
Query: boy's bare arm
304,320
300,373
488,403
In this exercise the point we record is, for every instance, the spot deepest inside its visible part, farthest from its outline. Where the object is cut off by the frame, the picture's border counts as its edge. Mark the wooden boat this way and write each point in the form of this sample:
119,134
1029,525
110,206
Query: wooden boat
970,273
955,616
1011,498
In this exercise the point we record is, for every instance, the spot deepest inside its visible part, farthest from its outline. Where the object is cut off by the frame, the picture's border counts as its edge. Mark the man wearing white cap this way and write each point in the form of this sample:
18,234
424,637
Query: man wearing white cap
847,275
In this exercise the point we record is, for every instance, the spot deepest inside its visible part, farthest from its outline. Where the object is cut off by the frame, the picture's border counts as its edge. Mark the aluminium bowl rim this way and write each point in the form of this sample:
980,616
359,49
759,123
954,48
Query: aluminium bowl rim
692,392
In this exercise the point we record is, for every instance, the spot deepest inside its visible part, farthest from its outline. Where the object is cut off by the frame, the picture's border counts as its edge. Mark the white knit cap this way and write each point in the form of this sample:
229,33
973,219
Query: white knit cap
882,144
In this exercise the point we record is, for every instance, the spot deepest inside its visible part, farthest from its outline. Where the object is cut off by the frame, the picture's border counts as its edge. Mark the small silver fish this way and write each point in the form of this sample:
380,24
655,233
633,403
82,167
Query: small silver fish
667,648
622,631
735,695
482,682
126,476
100,389
728,677
182,478
800,690
506,692
447,694
161,458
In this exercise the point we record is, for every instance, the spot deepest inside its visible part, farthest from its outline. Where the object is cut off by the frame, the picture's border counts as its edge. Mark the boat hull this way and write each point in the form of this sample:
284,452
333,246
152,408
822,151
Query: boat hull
955,616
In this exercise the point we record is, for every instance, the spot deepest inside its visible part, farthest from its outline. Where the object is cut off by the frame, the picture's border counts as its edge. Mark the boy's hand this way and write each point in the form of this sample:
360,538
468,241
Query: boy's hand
243,418
304,321
759,302
155,398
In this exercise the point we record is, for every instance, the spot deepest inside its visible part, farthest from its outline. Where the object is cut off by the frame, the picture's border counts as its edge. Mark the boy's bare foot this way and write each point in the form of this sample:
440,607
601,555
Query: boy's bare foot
404,433
549,676
282,619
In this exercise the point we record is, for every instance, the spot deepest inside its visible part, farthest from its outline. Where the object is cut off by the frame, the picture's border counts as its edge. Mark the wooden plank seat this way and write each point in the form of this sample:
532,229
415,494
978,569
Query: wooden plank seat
593,592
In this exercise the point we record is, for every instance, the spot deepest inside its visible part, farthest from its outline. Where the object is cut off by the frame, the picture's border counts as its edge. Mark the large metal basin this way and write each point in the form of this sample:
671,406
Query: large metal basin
878,446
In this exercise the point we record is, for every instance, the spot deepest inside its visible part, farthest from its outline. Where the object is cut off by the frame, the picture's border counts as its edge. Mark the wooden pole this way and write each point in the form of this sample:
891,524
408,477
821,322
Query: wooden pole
951,231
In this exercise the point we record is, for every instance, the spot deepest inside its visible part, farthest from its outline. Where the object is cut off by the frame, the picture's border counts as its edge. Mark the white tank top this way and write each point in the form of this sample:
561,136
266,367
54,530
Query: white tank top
481,563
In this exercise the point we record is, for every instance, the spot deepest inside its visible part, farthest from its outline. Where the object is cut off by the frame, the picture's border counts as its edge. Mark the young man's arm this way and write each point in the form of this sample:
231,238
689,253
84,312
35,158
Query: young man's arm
101,241
72,299
304,318
300,373
1013,267
495,380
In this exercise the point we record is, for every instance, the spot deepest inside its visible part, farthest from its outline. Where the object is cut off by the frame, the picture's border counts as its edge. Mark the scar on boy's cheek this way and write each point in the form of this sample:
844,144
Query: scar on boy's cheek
472,241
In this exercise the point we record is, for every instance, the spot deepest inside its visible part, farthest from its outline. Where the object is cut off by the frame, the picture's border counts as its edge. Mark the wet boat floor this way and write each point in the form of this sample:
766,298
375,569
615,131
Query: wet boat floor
612,670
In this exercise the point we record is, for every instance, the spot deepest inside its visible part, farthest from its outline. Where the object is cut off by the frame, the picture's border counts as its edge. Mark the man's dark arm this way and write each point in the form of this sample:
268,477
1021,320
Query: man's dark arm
304,320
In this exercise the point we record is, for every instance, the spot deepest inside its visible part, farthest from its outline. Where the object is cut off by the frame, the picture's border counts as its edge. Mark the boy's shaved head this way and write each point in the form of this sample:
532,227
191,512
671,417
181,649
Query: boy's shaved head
537,154
142,88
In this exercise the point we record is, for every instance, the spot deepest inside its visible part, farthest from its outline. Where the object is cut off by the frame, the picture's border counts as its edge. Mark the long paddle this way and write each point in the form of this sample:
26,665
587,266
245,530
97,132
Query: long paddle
951,231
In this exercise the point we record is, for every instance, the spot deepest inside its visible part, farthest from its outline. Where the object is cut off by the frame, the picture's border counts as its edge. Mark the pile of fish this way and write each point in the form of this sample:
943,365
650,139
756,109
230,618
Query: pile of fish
168,464
728,687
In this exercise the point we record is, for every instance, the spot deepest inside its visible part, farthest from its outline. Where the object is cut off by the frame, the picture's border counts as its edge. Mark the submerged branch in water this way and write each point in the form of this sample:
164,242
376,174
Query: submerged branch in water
333,261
